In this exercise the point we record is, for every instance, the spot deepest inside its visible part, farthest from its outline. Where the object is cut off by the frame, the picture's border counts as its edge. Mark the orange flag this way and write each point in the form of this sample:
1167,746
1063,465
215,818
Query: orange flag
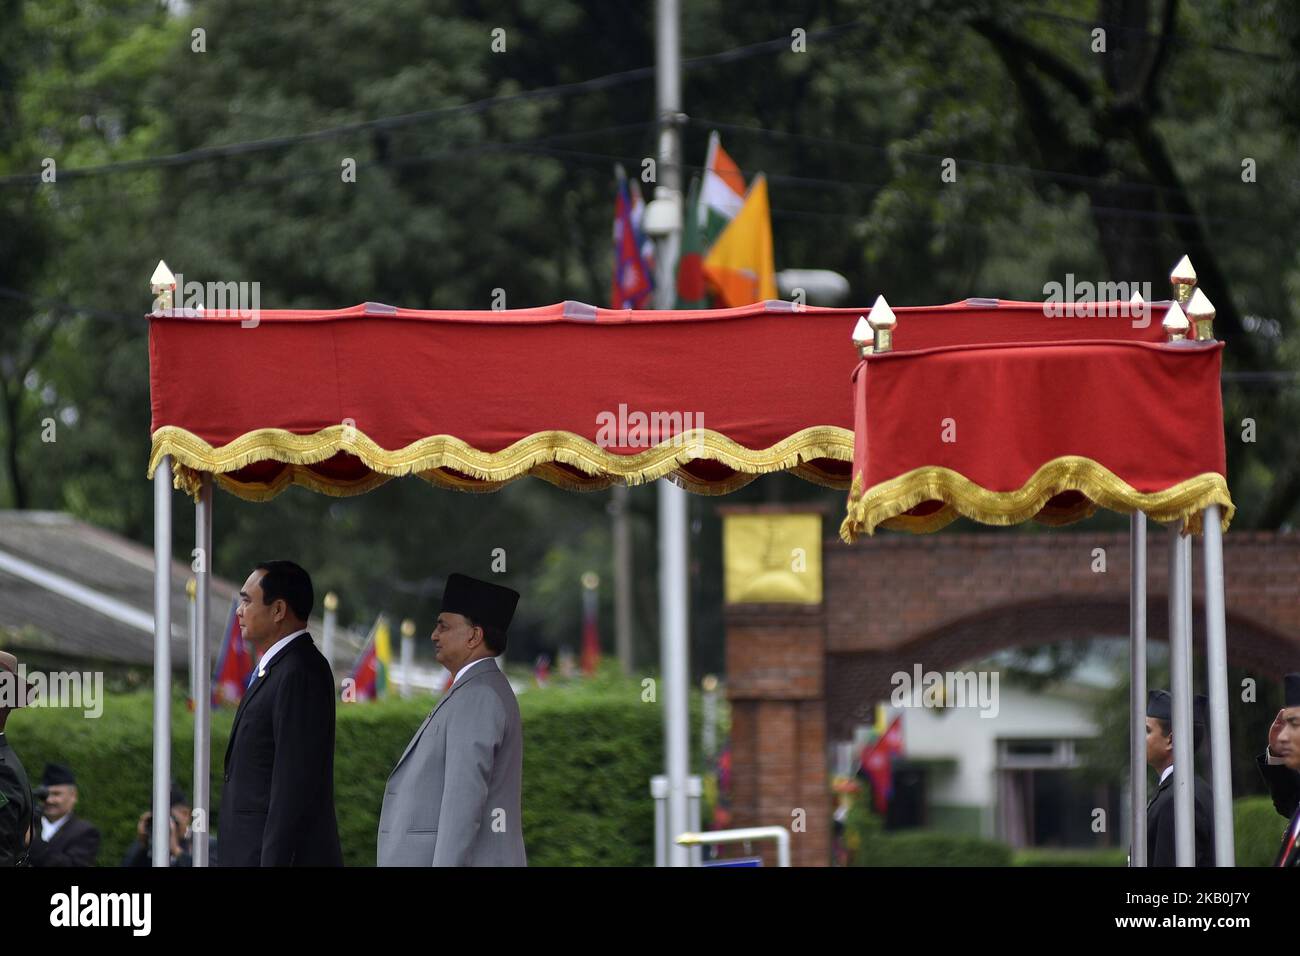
740,267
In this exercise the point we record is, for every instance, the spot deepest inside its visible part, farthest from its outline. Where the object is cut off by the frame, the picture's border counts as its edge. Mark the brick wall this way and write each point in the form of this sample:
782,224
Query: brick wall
798,676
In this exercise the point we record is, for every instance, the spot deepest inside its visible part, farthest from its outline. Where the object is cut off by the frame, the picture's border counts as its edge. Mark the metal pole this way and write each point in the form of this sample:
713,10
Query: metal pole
1216,666
673,651
622,578
659,793
1137,657
191,588
673,572
408,656
695,791
331,622
162,660
202,700
1180,687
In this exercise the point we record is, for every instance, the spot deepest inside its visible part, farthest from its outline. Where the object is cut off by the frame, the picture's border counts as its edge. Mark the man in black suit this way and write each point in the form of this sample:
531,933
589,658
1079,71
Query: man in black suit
1283,782
64,839
1288,746
277,806
1160,808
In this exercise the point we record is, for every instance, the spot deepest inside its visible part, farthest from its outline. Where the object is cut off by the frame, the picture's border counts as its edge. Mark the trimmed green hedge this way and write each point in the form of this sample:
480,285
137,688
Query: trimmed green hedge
590,749
922,848
1258,828
1110,856
1258,831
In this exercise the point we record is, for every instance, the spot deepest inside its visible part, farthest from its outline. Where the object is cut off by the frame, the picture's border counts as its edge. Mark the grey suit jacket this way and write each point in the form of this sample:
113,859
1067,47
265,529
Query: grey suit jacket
454,797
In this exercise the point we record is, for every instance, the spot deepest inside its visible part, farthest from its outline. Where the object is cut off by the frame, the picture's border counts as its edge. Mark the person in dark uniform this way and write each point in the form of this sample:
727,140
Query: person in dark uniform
1160,808
1282,781
15,794
277,807
64,839
140,853
1288,742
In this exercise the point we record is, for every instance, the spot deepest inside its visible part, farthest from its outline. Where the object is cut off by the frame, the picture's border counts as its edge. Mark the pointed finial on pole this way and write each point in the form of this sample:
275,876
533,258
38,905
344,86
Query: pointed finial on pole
1182,280
882,321
862,337
1175,323
163,284
1200,310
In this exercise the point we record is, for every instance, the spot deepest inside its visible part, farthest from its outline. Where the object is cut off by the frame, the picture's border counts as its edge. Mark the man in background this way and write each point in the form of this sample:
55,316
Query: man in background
1160,809
64,838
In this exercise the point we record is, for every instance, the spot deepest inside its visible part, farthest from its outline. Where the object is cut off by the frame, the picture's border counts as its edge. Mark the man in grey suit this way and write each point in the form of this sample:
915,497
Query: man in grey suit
454,797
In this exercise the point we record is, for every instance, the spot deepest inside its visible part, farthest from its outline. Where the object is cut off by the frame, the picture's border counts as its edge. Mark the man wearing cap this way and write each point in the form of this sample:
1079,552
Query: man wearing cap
454,797
1160,808
277,805
64,838
1288,740
1283,782
15,794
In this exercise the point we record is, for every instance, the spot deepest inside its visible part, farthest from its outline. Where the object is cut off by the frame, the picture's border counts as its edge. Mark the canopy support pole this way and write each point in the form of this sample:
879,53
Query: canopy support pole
1216,661
1137,657
1180,688
200,822
162,660
674,581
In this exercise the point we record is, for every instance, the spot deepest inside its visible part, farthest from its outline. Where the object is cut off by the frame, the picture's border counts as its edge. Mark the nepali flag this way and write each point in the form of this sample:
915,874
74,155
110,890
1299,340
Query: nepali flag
633,277
878,764
234,664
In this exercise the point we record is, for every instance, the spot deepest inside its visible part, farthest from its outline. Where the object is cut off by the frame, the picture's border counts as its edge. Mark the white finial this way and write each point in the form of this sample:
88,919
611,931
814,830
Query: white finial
162,276
1175,323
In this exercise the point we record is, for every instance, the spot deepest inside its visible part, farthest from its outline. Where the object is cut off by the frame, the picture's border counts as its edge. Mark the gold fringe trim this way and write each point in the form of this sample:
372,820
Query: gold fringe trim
539,454
886,504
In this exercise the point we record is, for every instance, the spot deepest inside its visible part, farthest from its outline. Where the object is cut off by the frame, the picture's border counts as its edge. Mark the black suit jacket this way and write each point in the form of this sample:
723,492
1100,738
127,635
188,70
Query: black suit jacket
76,844
277,805
1283,785
15,806
1160,824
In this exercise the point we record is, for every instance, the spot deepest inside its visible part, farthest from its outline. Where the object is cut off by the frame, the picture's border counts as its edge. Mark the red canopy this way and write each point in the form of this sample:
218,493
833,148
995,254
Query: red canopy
1025,416
341,401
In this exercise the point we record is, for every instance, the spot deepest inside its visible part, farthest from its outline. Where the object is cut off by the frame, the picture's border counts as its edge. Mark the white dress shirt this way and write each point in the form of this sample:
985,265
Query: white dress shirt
1168,771
471,664
48,829
275,649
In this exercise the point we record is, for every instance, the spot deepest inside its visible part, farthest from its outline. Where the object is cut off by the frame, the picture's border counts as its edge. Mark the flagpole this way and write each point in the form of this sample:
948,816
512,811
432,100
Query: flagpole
673,573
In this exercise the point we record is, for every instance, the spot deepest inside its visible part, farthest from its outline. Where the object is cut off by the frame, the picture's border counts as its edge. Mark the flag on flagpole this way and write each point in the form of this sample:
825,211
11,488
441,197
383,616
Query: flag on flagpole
713,201
633,280
877,763
722,194
691,291
370,674
740,267
234,663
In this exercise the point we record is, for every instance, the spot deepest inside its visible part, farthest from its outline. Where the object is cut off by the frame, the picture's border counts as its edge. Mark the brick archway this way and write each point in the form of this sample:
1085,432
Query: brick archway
855,679
800,676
